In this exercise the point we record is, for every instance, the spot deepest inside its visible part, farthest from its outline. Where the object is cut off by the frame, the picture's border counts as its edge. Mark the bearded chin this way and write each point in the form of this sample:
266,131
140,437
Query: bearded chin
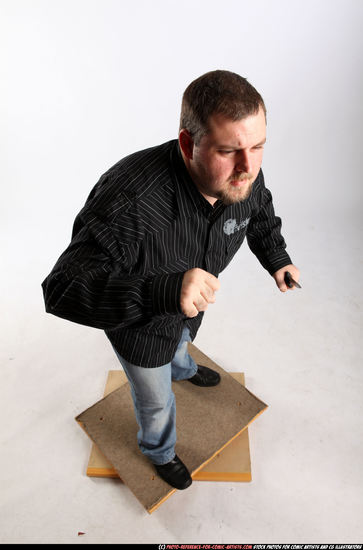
228,197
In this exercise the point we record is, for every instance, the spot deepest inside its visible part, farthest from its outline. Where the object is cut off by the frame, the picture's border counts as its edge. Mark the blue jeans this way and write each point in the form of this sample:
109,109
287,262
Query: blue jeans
154,400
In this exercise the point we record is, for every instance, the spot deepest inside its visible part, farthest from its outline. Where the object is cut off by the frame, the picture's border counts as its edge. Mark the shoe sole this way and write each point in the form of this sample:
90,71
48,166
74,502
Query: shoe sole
205,385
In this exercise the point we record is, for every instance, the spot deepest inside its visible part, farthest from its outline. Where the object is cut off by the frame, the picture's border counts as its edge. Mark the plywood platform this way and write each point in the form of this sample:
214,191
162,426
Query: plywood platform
209,422
231,464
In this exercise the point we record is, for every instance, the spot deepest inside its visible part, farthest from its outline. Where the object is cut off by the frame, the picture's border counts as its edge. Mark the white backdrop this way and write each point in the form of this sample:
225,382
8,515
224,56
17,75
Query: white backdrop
85,82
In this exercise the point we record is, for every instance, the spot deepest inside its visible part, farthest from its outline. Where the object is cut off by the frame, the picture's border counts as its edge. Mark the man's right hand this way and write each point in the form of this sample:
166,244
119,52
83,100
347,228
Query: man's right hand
198,288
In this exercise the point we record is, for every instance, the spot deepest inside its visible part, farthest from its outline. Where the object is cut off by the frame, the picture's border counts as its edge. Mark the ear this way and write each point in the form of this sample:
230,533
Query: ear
186,143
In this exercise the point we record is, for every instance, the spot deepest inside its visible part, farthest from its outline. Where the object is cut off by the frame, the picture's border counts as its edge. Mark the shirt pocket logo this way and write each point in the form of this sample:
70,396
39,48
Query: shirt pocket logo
231,226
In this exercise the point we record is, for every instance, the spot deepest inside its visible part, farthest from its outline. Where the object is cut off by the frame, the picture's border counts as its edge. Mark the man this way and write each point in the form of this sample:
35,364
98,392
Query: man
151,240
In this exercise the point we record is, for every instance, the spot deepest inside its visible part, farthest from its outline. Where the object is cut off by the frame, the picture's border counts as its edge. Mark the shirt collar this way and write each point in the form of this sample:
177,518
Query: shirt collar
189,198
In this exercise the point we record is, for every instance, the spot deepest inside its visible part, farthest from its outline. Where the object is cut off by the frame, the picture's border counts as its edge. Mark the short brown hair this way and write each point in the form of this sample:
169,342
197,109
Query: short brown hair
217,92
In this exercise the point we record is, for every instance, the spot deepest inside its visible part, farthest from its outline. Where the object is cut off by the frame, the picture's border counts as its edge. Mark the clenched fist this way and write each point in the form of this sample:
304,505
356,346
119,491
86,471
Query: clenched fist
198,288
279,276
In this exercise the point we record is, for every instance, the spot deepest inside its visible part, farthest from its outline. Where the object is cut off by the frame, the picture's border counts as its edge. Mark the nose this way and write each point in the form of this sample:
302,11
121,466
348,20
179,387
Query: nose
243,162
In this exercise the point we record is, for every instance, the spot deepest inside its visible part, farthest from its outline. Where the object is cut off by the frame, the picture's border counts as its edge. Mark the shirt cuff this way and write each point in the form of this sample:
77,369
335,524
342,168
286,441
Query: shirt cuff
165,293
275,261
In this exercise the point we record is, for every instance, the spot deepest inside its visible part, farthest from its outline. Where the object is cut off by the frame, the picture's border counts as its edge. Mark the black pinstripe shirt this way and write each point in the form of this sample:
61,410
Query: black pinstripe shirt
144,224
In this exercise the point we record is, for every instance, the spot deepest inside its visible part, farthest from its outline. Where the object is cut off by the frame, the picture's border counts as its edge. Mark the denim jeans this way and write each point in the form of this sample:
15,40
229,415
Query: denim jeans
154,400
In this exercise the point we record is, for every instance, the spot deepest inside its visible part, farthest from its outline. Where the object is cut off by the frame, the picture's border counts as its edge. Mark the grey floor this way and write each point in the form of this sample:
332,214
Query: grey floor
301,354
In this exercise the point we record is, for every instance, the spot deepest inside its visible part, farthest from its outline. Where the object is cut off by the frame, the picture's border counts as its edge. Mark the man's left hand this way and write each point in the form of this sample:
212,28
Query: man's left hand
279,276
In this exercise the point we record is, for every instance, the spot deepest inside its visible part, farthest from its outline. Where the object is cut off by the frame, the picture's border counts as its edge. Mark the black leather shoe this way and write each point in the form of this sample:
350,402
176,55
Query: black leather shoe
205,377
175,473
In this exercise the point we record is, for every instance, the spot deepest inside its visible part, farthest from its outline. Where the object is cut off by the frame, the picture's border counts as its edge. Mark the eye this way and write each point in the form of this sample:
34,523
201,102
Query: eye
226,152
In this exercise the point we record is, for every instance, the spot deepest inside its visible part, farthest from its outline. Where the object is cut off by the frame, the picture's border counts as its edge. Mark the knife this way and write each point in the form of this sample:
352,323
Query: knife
290,281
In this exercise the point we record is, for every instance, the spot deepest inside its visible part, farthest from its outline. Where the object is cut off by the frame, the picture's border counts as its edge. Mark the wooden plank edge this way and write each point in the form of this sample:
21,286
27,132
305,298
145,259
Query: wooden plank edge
199,476
228,442
102,472
202,476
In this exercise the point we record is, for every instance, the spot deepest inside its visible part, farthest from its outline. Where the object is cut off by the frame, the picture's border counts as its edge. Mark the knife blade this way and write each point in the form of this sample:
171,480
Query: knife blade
290,281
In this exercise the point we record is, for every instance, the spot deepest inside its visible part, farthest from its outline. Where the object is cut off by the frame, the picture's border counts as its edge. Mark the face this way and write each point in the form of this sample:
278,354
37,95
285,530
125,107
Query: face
227,160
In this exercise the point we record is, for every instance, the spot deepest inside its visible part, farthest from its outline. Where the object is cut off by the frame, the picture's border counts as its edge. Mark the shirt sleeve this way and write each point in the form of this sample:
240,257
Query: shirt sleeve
90,284
264,233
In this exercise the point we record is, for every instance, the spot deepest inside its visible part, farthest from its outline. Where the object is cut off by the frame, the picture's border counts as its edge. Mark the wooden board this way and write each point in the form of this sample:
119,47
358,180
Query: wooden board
231,464
208,419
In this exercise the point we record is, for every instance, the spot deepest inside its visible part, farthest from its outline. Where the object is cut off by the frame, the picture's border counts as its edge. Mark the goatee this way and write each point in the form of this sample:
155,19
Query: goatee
239,194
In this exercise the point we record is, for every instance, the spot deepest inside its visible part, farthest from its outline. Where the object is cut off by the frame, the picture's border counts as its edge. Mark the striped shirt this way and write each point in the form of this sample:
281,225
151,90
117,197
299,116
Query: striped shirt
143,225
